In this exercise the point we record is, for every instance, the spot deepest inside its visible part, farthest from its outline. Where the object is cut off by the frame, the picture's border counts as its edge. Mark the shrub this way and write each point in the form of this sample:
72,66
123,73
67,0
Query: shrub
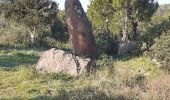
154,29
161,50
59,27
106,42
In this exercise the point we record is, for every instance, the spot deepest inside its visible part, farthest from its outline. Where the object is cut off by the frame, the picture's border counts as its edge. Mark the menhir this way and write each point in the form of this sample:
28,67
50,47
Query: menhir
79,29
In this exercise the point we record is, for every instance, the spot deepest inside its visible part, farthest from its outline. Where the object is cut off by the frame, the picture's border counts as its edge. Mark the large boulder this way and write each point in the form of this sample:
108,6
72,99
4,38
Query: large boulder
2,24
56,61
79,29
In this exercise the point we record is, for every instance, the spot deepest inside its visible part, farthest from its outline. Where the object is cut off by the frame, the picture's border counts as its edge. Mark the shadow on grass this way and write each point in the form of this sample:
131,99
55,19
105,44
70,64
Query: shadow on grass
124,57
40,48
19,55
86,94
10,47
16,59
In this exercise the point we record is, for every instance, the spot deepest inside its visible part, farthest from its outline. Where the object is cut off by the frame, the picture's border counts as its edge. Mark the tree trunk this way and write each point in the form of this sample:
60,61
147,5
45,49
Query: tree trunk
134,27
32,35
125,37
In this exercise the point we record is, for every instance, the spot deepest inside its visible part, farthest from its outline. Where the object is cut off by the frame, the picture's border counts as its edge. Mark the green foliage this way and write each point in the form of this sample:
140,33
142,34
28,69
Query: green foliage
107,44
32,13
137,10
161,50
156,36
144,9
154,29
59,28
41,20
38,16
121,14
98,12
14,35
119,77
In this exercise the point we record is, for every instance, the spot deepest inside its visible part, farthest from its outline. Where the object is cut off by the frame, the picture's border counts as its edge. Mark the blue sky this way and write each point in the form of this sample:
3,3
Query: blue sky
163,1
86,2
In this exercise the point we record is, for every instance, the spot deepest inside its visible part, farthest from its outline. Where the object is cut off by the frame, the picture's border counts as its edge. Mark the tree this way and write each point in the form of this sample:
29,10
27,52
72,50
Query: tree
140,10
123,13
59,27
99,11
35,14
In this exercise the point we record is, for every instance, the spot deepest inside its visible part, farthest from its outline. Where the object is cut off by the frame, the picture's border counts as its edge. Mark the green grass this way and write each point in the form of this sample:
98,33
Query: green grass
114,80
117,78
140,65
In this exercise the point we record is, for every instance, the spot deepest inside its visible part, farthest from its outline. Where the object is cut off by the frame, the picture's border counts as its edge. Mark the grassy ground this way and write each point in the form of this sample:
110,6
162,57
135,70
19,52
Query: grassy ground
117,78
121,78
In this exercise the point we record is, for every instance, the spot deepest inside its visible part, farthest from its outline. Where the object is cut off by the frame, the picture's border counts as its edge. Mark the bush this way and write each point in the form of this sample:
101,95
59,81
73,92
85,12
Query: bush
106,42
59,27
161,50
17,35
154,29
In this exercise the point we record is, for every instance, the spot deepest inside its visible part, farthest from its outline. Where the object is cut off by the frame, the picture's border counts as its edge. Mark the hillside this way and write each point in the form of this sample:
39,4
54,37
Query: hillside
163,10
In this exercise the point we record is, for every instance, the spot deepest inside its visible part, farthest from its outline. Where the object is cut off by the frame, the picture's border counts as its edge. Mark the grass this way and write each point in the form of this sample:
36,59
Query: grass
117,78
114,80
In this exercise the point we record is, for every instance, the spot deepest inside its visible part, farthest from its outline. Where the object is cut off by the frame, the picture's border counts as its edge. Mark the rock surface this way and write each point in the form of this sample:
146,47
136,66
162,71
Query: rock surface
56,61
79,29
126,47
2,24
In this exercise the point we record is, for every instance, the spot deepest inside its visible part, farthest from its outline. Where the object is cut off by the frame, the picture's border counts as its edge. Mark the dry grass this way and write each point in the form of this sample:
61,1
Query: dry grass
114,80
158,88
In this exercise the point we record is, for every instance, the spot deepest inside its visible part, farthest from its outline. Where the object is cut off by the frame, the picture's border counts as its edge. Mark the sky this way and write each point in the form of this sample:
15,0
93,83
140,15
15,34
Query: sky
86,2
83,2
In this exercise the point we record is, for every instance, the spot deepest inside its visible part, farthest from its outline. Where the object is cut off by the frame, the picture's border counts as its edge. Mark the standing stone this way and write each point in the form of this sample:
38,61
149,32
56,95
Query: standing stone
79,29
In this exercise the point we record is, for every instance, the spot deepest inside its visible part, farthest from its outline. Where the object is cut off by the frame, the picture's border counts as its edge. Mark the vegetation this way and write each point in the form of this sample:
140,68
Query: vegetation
126,14
141,76
38,16
160,50
164,10
19,79
32,13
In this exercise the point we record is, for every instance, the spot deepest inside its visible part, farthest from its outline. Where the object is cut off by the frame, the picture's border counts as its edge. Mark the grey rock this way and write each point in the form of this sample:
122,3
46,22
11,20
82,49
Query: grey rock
57,61
126,47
